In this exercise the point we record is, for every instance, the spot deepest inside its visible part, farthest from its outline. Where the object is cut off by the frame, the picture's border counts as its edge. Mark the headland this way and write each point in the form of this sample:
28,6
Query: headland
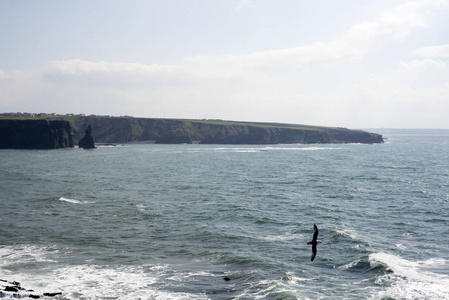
108,129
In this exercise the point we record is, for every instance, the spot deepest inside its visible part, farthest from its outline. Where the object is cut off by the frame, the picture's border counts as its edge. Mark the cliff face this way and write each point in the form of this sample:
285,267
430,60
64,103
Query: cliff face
166,131
258,135
53,134
35,134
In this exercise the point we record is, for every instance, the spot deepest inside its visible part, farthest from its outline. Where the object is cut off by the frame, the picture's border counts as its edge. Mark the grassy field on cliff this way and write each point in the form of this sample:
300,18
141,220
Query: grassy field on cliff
261,124
76,121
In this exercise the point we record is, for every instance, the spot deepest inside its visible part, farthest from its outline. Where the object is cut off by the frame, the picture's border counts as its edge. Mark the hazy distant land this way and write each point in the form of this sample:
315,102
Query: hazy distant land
126,129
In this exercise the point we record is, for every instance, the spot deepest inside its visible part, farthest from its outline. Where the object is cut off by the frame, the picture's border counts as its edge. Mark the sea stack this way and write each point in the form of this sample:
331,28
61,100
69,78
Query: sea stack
87,142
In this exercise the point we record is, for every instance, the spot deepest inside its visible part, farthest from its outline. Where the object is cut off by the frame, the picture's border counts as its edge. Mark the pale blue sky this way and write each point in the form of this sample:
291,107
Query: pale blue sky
348,63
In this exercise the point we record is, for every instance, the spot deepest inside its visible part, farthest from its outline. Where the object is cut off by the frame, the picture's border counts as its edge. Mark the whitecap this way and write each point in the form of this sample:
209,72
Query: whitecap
304,148
400,246
286,287
103,282
280,238
317,148
141,207
74,201
69,200
262,149
23,254
347,232
349,265
410,279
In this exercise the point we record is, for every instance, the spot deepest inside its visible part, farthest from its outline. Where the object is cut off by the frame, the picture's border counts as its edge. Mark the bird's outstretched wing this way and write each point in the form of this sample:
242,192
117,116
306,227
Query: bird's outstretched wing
313,252
315,233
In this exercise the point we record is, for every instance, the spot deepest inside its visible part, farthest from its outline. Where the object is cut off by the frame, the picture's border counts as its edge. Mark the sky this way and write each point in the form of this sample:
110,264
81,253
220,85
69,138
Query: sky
352,63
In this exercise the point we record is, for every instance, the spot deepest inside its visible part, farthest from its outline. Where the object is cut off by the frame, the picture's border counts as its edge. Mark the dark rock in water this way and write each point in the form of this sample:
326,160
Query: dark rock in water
35,134
87,142
52,294
14,290
16,283
226,278
11,289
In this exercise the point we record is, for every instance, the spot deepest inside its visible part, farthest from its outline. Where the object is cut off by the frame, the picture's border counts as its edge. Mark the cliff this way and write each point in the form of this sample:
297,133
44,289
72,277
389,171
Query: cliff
35,134
57,132
169,131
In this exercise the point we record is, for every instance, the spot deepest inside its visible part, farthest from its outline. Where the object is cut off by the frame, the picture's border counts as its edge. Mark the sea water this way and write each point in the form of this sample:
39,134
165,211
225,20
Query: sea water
175,221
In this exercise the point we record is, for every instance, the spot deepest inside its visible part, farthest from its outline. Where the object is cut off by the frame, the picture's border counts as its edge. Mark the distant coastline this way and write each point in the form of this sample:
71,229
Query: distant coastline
127,129
409,130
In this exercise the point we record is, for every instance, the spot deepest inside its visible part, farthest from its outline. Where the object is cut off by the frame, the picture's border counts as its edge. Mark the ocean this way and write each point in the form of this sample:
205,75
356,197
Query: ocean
146,221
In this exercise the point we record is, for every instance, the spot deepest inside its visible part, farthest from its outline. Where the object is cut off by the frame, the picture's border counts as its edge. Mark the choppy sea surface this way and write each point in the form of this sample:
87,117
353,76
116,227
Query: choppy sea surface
172,221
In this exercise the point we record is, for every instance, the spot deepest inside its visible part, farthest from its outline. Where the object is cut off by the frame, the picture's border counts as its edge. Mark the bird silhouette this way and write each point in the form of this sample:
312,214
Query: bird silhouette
314,242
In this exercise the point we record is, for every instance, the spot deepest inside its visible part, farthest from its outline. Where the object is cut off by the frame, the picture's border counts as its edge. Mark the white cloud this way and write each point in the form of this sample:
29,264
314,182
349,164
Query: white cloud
126,75
397,23
258,67
324,83
393,103
268,64
428,73
434,51
419,66
81,67
244,3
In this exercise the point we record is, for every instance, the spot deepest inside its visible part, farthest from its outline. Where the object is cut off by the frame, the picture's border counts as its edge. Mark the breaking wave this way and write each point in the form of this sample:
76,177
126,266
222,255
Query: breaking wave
410,279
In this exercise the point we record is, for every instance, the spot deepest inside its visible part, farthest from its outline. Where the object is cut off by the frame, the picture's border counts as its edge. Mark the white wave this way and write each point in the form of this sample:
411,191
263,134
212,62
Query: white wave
74,201
347,232
411,279
141,207
69,200
316,148
290,286
14,295
303,148
123,282
95,282
400,246
23,254
281,238
90,281
261,149
350,264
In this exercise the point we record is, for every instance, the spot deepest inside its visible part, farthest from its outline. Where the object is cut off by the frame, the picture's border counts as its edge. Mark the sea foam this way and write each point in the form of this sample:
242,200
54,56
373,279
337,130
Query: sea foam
410,279
87,281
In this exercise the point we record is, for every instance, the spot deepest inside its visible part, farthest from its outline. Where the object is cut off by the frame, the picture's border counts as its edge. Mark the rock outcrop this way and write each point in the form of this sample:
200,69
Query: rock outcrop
15,290
35,134
88,141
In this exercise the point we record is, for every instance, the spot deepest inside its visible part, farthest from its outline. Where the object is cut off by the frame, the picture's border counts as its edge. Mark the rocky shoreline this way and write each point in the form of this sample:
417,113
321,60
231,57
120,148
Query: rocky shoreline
13,289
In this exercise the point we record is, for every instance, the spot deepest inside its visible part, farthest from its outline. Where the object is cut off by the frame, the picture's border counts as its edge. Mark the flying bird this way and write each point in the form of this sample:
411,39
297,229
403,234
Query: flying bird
314,242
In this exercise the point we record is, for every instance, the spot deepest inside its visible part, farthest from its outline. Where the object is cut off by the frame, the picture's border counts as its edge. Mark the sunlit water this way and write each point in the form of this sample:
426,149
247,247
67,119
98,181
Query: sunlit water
172,221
